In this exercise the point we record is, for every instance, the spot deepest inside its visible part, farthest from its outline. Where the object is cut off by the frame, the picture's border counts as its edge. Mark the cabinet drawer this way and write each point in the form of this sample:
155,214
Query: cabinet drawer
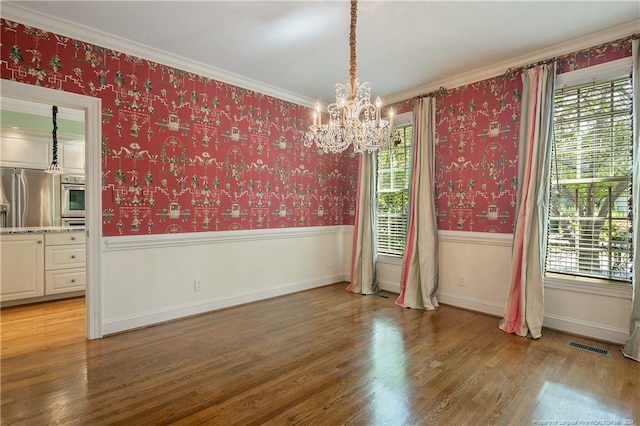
65,280
59,257
65,238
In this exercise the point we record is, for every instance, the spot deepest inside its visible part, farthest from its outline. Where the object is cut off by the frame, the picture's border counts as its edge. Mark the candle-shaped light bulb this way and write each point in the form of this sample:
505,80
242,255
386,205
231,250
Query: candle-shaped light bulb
378,102
378,105
319,114
315,118
391,118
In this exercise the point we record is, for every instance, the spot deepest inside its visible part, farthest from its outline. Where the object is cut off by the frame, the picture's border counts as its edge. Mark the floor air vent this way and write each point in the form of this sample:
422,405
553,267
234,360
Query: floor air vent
588,348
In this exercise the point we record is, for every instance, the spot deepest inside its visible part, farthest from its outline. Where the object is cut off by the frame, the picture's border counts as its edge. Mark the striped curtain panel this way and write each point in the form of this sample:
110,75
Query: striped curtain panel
632,346
363,255
419,281
524,308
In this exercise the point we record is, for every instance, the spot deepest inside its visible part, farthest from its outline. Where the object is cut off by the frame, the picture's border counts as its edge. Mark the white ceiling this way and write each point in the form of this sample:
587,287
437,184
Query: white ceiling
302,46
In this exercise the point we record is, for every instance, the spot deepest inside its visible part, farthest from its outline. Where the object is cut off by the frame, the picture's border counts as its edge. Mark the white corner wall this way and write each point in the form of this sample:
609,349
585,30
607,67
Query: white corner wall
150,279
474,274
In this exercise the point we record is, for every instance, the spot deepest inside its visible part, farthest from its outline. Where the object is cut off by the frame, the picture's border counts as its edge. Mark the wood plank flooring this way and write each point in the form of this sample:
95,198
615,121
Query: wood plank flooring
323,357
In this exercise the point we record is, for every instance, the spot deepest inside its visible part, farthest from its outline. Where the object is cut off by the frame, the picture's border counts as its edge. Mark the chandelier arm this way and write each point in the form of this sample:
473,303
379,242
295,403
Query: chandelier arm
352,47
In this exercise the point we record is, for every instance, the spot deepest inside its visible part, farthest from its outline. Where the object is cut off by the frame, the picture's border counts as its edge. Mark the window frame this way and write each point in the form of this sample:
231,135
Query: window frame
576,283
400,120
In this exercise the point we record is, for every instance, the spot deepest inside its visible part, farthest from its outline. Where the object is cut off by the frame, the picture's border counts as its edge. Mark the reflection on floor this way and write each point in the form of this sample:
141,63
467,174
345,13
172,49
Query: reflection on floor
322,356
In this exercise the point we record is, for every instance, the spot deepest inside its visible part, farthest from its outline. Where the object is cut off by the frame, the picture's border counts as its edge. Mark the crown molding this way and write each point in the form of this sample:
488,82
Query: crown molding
574,45
32,18
29,17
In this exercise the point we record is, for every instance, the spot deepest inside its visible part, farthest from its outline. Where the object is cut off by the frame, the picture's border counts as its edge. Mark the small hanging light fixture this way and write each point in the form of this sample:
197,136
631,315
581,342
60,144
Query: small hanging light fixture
54,167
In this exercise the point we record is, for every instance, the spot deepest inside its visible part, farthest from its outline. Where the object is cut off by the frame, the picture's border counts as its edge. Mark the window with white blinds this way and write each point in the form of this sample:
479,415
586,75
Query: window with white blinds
392,192
589,228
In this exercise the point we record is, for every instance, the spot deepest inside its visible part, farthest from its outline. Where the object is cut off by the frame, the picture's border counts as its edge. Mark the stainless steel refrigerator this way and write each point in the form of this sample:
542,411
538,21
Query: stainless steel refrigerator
27,198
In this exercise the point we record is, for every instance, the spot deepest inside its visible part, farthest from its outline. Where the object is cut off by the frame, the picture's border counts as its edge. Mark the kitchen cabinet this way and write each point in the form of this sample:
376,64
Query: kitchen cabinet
32,150
72,157
65,262
42,264
24,149
22,266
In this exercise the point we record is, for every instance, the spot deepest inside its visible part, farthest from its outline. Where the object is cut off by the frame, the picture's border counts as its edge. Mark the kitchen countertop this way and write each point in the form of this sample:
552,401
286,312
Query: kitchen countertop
39,229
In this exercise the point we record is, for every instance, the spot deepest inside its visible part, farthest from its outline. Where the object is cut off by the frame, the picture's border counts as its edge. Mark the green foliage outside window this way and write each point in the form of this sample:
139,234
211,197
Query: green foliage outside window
589,220
394,165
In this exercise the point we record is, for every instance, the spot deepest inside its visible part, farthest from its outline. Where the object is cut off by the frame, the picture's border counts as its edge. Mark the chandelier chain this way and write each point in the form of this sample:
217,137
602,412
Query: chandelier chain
352,48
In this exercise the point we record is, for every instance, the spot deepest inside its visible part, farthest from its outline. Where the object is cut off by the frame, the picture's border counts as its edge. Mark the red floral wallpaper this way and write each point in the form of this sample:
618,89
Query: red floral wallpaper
477,127
595,56
185,153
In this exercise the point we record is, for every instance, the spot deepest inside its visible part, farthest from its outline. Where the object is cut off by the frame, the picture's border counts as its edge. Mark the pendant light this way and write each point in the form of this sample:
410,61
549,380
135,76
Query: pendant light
54,167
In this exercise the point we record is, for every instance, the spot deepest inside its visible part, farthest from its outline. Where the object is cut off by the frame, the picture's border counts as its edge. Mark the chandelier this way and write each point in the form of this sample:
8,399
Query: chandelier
352,119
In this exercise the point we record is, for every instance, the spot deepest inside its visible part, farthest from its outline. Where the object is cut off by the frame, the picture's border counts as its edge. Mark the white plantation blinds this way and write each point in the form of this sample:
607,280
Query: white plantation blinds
392,193
589,230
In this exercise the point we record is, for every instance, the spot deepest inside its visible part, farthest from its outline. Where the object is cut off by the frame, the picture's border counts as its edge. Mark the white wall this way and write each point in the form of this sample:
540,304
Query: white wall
149,279
482,260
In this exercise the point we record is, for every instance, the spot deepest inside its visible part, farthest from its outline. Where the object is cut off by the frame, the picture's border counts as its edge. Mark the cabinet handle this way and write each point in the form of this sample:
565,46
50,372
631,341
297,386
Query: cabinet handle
73,256
39,241
73,238
73,280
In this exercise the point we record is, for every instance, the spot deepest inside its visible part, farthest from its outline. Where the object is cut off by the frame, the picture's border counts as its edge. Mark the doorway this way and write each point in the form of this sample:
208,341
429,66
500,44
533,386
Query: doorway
91,107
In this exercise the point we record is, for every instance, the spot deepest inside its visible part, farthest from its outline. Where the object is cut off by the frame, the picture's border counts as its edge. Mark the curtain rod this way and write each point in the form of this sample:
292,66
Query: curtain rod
510,71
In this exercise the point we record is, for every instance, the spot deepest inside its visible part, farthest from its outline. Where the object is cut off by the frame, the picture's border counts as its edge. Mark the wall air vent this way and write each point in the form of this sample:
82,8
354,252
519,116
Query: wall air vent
588,348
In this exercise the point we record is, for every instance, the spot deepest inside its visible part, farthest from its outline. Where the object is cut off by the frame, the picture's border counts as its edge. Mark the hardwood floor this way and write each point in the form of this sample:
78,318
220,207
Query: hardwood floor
322,357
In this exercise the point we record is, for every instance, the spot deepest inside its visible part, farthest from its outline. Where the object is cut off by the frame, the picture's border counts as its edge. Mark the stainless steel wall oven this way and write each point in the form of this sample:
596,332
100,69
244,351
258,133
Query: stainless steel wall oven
72,197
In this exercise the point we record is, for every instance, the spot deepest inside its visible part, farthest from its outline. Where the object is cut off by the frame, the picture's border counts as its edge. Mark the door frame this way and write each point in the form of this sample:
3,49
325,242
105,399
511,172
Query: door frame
93,171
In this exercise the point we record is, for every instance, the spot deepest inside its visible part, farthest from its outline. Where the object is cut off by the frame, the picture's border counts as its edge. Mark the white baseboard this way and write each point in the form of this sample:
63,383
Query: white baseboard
391,287
472,304
586,328
175,312
556,322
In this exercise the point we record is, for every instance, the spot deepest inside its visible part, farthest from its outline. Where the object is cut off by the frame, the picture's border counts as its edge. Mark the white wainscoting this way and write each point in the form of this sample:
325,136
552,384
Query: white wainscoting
389,272
474,274
150,279
474,270
480,259
601,311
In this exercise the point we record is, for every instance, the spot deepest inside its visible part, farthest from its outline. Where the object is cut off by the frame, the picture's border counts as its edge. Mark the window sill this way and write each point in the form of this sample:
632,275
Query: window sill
589,286
390,260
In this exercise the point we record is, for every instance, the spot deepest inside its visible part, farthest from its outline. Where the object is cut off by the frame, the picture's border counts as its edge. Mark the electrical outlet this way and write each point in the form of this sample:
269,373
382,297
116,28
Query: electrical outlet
197,284
461,282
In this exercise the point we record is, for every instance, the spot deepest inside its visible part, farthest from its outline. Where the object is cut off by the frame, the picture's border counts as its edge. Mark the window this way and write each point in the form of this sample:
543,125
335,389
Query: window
589,228
392,192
